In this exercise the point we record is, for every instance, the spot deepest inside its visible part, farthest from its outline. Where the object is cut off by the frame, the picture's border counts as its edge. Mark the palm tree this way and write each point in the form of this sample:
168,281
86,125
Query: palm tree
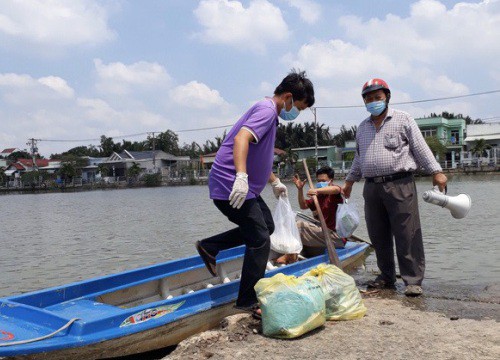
134,171
345,135
436,146
103,169
479,147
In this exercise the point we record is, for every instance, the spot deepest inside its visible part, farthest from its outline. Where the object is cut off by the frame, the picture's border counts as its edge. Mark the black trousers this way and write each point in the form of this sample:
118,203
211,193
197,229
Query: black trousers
391,212
255,225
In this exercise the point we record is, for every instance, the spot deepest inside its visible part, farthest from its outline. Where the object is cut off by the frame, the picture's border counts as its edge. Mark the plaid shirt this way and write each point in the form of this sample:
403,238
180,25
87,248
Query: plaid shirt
397,146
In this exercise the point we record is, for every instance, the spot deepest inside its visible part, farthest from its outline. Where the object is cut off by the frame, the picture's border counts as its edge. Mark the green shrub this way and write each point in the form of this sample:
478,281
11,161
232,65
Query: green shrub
151,180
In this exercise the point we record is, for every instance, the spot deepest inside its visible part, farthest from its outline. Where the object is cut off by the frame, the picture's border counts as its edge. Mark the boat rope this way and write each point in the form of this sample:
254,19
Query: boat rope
27,341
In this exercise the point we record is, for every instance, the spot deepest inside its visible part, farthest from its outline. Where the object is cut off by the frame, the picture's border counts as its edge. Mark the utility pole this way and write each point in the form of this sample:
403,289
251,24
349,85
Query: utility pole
33,150
313,109
154,148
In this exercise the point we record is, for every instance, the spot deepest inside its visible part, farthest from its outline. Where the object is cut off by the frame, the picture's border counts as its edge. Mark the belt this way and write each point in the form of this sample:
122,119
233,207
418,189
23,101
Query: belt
387,178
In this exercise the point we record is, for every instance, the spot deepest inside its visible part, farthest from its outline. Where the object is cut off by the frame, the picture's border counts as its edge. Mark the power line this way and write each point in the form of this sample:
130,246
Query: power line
97,139
315,107
207,128
412,102
133,135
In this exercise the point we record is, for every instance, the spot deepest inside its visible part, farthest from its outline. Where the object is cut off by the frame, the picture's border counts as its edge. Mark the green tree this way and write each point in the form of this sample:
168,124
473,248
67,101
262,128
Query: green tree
67,171
212,146
349,155
20,155
192,150
108,146
90,150
436,146
447,115
345,135
31,178
151,180
312,165
3,177
134,146
134,171
167,141
103,169
479,147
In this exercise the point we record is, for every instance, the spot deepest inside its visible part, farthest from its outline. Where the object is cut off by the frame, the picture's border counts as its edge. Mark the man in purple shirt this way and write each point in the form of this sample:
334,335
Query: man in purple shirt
242,168
390,148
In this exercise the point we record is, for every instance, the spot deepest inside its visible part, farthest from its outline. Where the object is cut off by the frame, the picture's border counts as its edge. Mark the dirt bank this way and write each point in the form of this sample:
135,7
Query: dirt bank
390,330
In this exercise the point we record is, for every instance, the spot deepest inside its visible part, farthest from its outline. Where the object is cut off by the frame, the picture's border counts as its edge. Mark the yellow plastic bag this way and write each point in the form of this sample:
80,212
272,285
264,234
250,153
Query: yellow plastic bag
342,298
290,306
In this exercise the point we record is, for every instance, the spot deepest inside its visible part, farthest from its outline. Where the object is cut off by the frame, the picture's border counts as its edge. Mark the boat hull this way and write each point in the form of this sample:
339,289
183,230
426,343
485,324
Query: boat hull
170,332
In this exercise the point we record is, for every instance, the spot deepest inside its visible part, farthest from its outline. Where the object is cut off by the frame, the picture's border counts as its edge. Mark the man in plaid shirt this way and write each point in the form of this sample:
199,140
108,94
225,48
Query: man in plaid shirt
390,147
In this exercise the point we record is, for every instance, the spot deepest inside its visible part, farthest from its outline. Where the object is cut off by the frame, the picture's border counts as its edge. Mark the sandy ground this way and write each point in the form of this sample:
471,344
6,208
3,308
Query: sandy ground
391,330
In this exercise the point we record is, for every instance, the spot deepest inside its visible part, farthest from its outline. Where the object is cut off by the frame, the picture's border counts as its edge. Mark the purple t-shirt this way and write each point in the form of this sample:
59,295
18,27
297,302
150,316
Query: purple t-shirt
261,120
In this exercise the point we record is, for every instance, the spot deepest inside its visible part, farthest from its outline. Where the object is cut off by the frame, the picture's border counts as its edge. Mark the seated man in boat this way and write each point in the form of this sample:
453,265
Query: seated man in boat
311,234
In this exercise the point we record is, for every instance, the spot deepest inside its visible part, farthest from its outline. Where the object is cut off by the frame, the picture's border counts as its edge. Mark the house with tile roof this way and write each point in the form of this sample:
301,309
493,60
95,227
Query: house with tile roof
9,151
149,161
16,169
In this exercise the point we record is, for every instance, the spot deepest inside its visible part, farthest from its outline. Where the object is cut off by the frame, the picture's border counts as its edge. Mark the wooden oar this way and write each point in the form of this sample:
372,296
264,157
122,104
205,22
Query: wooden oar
316,222
332,253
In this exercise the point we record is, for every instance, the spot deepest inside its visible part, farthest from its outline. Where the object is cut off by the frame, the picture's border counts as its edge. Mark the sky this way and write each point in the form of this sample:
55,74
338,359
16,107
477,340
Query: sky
78,69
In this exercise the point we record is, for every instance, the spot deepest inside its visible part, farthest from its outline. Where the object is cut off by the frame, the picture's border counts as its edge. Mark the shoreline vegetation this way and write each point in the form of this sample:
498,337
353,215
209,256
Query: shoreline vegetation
186,181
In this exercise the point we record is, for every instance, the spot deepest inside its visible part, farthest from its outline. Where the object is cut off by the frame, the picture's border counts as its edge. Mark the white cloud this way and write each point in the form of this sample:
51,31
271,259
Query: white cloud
442,85
336,58
21,88
229,22
468,31
57,84
309,10
59,23
423,52
119,78
266,88
197,95
110,119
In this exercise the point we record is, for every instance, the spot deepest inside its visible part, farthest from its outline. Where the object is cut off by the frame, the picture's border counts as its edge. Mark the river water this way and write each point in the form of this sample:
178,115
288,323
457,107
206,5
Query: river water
55,238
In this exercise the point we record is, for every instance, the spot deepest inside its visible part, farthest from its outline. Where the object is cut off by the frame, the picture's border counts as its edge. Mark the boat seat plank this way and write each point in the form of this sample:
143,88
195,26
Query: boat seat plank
87,310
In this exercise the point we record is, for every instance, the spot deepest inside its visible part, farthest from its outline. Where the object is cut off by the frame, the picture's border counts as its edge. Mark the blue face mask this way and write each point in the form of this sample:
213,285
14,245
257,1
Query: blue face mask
322,184
376,108
291,114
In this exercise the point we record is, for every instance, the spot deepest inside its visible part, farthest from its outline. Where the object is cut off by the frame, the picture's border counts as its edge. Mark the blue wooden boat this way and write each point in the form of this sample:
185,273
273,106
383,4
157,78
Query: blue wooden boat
134,311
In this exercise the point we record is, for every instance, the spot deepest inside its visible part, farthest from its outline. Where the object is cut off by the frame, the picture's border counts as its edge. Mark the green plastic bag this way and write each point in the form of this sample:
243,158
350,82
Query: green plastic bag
290,306
342,298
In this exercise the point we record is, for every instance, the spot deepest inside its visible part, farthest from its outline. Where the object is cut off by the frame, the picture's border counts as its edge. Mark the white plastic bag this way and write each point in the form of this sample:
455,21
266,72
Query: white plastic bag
347,218
286,237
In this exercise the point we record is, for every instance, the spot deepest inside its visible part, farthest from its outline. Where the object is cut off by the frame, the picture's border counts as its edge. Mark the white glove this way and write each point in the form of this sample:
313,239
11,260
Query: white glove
279,188
240,190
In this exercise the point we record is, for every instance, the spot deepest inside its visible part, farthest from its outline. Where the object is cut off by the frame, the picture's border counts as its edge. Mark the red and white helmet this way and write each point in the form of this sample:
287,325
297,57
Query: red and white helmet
375,84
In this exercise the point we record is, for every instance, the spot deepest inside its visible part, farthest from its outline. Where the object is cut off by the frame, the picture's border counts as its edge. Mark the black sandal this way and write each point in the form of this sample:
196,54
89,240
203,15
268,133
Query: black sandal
380,283
252,310
208,259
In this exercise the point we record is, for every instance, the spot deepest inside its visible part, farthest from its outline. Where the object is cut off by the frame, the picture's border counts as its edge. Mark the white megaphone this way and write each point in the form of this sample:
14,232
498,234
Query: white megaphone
459,205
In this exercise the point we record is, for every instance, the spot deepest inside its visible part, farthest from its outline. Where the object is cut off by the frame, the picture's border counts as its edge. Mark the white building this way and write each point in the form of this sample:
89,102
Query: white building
489,132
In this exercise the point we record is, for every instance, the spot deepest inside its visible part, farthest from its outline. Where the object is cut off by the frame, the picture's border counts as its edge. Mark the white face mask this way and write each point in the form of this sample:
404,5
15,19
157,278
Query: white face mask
291,114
